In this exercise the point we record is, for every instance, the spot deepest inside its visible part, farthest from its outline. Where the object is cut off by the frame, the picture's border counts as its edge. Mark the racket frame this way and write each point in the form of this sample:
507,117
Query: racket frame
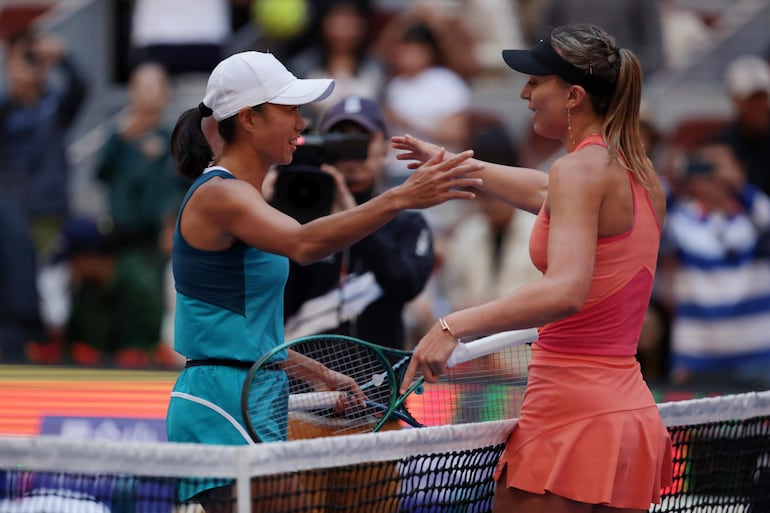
381,352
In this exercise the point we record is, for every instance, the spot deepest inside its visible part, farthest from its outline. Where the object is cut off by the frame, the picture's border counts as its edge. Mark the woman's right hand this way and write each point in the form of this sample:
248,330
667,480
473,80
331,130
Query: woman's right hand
439,179
418,151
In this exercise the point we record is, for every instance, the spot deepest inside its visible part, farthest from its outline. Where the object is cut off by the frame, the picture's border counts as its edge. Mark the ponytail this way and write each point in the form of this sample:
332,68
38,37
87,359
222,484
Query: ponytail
189,148
621,123
593,50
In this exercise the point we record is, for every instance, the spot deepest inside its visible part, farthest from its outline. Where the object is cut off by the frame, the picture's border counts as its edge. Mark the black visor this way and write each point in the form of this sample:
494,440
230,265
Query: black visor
543,60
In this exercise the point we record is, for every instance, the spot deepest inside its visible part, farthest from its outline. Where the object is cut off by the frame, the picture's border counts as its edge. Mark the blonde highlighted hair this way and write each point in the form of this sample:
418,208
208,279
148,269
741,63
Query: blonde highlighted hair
592,49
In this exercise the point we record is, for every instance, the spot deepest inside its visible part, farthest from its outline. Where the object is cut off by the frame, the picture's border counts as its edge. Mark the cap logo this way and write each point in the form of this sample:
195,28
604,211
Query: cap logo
353,105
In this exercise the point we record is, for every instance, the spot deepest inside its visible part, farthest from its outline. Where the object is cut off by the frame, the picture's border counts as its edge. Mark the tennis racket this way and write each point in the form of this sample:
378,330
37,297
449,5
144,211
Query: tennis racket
485,380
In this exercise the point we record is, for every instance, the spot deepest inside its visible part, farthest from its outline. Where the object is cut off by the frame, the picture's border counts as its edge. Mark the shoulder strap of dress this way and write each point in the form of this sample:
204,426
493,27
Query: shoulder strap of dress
218,171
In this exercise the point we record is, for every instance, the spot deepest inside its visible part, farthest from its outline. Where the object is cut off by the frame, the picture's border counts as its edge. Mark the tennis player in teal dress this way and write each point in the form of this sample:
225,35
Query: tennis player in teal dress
222,296
231,250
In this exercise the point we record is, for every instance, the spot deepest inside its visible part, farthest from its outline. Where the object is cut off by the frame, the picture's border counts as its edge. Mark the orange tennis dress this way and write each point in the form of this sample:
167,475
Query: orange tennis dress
589,428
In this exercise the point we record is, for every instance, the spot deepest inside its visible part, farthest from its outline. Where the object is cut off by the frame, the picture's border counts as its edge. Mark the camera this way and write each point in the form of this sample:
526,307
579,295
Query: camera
695,166
302,190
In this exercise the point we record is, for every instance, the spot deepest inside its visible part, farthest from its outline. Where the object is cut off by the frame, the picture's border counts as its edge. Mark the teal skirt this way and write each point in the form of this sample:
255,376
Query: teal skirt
205,407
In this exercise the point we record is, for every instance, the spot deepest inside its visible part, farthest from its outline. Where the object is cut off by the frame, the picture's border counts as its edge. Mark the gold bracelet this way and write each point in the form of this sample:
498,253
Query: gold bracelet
445,327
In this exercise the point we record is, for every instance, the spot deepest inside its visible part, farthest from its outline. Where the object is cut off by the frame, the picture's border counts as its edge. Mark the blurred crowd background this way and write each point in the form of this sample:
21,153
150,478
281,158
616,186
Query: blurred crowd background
88,196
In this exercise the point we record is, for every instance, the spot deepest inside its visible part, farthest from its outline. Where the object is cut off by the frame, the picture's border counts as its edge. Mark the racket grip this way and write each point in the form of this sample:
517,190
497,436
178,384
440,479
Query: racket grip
314,400
465,352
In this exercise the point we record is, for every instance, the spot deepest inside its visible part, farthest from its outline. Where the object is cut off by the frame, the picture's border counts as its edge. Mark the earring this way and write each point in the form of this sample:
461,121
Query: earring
569,128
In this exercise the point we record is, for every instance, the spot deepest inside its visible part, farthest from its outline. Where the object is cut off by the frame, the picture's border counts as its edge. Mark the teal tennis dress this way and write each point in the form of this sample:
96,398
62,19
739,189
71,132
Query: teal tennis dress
229,310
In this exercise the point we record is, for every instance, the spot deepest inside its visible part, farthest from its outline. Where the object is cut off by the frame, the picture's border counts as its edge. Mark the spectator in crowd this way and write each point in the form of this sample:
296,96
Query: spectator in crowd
20,321
713,240
361,291
342,51
35,114
499,262
452,40
115,300
183,37
441,95
637,24
423,96
135,166
498,232
685,34
490,26
748,84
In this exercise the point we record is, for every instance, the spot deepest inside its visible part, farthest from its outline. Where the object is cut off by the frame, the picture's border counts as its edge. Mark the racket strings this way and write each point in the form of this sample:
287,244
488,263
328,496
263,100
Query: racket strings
309,405
365,366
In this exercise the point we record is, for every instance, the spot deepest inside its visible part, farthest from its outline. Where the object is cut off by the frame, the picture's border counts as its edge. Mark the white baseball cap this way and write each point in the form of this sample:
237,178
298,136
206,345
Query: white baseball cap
247,79
747,75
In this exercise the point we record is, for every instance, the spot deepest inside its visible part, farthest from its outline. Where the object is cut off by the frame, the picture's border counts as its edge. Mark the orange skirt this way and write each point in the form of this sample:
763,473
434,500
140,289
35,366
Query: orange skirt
589,431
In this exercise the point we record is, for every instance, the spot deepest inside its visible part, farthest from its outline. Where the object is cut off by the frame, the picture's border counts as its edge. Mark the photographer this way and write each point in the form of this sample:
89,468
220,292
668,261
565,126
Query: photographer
361,291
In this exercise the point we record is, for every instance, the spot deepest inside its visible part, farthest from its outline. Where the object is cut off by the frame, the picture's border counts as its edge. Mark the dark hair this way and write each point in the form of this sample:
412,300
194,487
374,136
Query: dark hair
362,8
593,50
189,147
420,33
25,37
25,40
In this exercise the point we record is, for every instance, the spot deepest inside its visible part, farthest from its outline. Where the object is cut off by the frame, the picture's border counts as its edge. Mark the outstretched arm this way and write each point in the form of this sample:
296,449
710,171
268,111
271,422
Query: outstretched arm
575,199
235,210
522,187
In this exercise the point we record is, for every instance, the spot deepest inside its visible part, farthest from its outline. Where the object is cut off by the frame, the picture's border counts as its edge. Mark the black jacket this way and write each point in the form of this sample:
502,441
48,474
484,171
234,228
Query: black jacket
401,257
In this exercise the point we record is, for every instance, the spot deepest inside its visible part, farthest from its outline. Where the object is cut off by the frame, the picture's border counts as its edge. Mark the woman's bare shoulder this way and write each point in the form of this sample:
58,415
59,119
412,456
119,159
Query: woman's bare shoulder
587,164
221,194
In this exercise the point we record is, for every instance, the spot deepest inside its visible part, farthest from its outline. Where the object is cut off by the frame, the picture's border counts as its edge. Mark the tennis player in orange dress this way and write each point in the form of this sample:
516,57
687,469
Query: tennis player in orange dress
590,438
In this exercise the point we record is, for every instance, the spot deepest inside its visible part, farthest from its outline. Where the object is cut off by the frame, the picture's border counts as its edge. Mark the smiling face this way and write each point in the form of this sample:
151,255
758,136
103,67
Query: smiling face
277,130
547,97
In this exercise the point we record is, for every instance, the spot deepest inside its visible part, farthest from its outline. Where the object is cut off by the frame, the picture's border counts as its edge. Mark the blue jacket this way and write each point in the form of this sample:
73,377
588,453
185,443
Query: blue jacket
34,169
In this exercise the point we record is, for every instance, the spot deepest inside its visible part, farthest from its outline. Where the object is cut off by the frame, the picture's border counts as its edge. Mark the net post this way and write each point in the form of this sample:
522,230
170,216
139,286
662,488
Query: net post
243,482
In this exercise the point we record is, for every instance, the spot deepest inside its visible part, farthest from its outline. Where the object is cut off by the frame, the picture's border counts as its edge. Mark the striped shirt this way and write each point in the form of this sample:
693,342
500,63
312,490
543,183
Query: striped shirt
721,284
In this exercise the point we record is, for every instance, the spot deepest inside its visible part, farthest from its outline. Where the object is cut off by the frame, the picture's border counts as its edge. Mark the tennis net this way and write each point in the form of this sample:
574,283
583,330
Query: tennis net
721,446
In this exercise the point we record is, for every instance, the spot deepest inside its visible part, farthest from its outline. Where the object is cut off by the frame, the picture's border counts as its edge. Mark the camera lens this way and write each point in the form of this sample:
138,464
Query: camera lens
303,192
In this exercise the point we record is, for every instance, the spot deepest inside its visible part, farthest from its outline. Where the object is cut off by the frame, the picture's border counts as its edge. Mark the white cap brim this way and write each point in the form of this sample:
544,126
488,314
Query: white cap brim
302,91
